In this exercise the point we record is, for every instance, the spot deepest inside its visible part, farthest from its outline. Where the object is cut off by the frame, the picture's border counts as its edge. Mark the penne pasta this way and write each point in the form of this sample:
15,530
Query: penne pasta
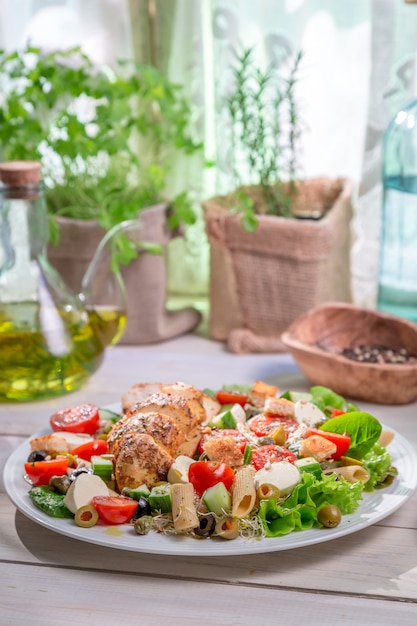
385,438
184,513
244,493
352,473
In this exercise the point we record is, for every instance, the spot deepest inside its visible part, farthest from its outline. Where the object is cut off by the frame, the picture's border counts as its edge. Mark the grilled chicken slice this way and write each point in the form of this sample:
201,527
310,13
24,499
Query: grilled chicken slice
210,405
140,461
138,393
163,429
51,444
190,444
188,413
141,391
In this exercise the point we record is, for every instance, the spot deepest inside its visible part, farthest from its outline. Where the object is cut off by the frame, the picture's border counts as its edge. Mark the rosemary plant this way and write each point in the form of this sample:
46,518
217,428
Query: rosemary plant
264,130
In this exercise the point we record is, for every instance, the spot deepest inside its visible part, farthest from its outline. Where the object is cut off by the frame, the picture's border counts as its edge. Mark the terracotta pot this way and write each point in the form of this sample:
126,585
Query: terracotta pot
145,278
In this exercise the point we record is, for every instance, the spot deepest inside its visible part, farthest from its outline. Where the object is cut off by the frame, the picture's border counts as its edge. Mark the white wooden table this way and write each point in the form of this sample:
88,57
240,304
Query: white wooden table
369,577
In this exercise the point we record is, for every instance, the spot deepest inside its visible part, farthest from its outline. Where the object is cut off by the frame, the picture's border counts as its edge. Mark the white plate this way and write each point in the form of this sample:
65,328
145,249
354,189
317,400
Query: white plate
374,507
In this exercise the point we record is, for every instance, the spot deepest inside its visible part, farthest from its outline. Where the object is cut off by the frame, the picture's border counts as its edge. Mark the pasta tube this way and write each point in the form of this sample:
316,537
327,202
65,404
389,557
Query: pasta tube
385,438
184,513
352,473
244,493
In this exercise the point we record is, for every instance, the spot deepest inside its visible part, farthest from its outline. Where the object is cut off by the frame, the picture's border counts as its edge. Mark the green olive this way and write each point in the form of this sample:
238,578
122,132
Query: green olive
143,524
279,436
267,491
347,460
329,515
86,516
227,528
60,483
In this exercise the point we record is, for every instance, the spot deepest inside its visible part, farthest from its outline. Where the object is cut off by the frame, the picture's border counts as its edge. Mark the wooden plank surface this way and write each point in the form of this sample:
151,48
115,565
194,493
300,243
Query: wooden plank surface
377,561
369,577
54,596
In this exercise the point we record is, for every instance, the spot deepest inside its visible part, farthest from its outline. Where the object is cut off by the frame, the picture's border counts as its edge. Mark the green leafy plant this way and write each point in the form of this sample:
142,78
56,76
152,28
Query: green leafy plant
262,115
107,138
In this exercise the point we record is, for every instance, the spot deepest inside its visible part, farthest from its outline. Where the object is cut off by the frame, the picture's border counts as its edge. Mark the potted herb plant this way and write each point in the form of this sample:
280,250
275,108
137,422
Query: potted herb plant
106,139
279,245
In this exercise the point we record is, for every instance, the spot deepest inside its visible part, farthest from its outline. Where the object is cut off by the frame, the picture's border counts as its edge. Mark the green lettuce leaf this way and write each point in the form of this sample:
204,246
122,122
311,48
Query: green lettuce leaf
363,428
324,397
299,511
378,463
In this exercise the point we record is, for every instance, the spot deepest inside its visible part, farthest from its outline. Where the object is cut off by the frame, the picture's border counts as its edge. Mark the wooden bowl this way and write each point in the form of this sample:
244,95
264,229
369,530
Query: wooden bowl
316,338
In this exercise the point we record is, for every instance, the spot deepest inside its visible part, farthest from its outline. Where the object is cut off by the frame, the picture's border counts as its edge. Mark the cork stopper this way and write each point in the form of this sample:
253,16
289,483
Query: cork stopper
20,173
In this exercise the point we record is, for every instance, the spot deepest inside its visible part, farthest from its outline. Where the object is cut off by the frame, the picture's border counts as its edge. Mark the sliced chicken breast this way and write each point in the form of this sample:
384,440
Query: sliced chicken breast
186,412
209,405
140,461
163,428
138,393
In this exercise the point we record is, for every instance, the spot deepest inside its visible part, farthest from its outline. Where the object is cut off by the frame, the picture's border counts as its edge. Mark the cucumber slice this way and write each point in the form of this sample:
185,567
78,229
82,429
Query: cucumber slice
108,415
217,499
160,498
223,420
138,492
295,396
102,467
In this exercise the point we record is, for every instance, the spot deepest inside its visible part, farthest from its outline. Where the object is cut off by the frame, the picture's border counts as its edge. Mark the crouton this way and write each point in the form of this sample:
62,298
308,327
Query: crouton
224,450
51,444
260,391
317,447
279,406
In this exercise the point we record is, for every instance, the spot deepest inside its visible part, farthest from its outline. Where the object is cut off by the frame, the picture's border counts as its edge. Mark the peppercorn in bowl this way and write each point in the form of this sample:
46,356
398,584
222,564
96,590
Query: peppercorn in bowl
359,353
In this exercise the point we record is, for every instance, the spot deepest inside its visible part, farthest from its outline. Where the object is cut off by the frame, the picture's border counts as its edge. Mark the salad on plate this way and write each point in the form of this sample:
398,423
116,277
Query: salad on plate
242,461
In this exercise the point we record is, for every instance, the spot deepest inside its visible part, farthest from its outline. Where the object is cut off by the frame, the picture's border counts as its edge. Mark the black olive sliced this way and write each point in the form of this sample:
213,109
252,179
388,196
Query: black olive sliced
143,508
37,455
80,470
206,526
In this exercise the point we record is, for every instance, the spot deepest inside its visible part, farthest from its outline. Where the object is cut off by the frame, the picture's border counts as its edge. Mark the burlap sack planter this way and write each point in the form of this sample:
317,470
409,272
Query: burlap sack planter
260,282
145,278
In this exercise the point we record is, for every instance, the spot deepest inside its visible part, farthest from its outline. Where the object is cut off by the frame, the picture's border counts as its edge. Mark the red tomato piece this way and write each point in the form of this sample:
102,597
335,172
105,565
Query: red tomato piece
41,472
224,432
90,448
337,412
263,425
205,474
231,397
271,454
114,509
83,418
342,442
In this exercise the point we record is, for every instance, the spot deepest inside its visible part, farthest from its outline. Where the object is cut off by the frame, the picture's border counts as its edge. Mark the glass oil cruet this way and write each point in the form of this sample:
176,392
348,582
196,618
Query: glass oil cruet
51,341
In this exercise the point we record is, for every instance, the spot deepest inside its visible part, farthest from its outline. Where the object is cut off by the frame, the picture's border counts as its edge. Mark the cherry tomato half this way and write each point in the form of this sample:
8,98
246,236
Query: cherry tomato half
342,442
205,474
264,425
224,432
90,448
114,509
83,418
271,454
231,397
41,472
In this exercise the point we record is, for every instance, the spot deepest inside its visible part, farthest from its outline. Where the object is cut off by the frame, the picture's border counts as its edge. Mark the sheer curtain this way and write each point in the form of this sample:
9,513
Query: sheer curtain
358,69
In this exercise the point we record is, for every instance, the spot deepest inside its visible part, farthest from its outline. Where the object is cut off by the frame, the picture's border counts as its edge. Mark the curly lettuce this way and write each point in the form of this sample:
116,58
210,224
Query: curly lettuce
299,511
378,463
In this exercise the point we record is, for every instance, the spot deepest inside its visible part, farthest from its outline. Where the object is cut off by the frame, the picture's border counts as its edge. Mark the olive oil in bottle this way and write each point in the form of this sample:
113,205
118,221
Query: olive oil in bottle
51,341
36,364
